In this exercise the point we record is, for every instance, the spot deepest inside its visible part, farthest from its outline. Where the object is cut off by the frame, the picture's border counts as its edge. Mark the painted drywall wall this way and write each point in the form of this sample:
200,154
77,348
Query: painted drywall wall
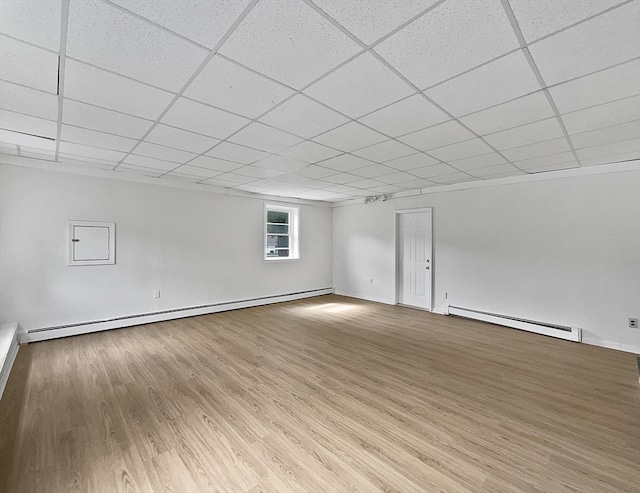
195,247
564,251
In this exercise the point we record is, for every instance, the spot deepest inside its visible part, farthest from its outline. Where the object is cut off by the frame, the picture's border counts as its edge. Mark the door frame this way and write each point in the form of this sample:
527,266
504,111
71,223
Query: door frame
398,216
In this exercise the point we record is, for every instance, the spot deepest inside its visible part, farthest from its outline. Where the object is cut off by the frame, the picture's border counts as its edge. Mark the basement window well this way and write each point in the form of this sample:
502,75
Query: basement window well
281,232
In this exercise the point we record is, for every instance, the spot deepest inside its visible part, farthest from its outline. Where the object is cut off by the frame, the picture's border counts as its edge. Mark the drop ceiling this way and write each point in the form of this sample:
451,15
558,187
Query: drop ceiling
320,100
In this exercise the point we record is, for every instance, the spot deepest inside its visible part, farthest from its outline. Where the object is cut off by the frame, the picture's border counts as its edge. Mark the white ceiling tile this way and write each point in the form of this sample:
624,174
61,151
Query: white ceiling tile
553,167
413,161
195,171
493,170
506,174
526,134
36,22
359,87
236,153
397,177
136,48
530,108
89,151
131,169
84,115
27,65
91,85
460,150
26,124
9,137
350,137
550,160
388,189
410,114
92,138
180,139
434,170
290,179
537,150
345,162
265,138
181,177
615,83
214,163
149,162
541,17
162,152
228,86
234,178
601,42
501,80
288,41
475,162
373,171
203,119
315,172
452,178
256,172
416,184
35,153
341,179
366,184
454,37
28,101
304,117
612,149
371,20
437,136
607,135
385,151
609,159
204,22
279,163
309,152
11,149
605,115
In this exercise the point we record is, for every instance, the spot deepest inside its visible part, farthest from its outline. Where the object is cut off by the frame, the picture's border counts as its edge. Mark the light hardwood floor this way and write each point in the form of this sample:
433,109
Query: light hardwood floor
330,394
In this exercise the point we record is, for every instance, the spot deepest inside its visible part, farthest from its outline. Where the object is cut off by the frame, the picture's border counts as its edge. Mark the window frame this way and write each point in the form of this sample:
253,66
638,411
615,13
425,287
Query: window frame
294,233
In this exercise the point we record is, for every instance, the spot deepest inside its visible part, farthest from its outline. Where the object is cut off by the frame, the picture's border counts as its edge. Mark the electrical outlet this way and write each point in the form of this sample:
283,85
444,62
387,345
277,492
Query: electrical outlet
633,323
156,294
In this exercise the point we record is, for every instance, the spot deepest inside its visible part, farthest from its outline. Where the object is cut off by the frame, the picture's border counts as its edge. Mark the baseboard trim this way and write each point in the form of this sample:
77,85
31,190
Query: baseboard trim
627,348
46,333
8,352
366,298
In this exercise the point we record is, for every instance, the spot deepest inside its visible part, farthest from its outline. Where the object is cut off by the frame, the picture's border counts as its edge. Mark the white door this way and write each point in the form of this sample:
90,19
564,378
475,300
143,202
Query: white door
414,259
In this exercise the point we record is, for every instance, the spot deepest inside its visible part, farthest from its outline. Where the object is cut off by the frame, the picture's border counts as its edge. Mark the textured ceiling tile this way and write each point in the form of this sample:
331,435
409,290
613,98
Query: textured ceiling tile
149,162
550,160
410,114
96,139
475,162
315,172
416,183
256,172
460,150
395,177
304,117
27,65
131,169
553,167
607,135
236,153
91,85
180,139
373,171
84,115
384,151
197,117
135,48
288,41
265,138
537,150
345,162
309,152
228,86
523,110
541,17
280,163
18,122
501,80
341,179
36,22
214,163
493,170
366,184
434,170
204,22
350,137
452,178
605,115
28,101
608,159
601,42
437,136
622,147
9,137
371,20
359,87
602,87
414,161
454,37
164,153
526,134
95,152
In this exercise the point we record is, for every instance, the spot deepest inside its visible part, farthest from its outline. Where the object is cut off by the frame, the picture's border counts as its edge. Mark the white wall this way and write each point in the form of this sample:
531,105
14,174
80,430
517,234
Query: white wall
195,247
564,251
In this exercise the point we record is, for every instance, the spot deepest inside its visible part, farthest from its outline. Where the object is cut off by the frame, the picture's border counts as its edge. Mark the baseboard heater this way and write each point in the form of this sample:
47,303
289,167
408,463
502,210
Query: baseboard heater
55,332
547,329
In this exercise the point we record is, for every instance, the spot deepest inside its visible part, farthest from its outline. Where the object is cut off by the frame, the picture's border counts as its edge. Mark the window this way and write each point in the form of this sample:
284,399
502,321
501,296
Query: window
281,233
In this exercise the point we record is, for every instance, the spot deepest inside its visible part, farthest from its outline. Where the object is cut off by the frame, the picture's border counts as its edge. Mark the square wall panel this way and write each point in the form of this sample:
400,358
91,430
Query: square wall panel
604,115
309,152
304,117
92,117
448,40
231,87
92,138
410,114
350,137
359,87
203,119
31,125
236,153
265,138
108,37
526,134
33,21
596,44
437,136
27,65
28,101
501,80
91,85
288,41
180,139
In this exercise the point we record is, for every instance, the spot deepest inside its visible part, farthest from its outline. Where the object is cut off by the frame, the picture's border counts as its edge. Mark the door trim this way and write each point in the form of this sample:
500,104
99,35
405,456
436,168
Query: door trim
398,214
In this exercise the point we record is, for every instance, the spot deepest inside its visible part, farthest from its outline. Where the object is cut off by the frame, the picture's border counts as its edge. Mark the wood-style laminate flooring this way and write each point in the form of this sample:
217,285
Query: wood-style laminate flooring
329,394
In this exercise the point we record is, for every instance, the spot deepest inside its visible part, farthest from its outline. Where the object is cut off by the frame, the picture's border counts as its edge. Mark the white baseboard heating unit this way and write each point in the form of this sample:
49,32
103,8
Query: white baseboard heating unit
547,329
